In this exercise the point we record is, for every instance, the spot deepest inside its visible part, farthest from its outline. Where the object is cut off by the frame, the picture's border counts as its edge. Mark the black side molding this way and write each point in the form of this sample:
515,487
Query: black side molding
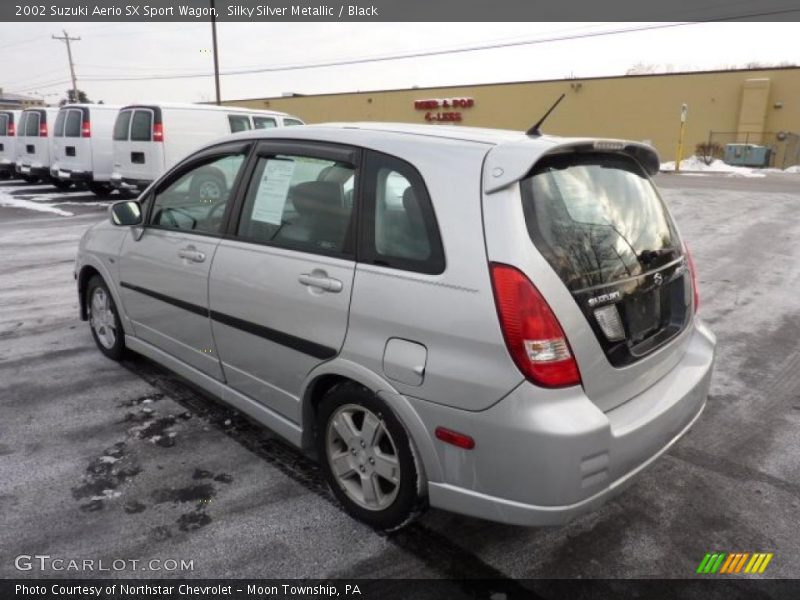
279,337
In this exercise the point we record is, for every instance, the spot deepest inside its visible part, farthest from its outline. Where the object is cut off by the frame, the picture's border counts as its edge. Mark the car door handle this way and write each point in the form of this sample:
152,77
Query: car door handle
192,254
323,282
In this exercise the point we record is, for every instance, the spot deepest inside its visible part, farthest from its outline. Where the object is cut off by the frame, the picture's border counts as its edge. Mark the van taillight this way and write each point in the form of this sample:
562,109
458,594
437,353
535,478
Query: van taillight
43,130
532,333
158,132
86,129
11,131
693,272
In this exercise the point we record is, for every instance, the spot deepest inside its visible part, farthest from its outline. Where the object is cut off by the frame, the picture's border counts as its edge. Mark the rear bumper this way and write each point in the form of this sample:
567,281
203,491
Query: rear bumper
32,171
128,183
543,457
70,175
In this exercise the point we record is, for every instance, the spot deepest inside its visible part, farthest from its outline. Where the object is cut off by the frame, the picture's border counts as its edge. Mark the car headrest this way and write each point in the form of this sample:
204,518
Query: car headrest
411,206
318,197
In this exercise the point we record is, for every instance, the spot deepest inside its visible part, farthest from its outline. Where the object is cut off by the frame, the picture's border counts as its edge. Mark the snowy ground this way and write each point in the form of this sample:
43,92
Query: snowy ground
694,165
102,460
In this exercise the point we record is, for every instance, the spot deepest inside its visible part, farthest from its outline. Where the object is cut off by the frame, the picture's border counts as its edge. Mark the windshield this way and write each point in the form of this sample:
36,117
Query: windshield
597,218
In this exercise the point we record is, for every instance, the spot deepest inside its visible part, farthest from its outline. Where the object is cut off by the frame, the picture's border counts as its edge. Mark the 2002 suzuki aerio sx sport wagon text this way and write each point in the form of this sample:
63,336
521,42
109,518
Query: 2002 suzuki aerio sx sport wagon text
497,324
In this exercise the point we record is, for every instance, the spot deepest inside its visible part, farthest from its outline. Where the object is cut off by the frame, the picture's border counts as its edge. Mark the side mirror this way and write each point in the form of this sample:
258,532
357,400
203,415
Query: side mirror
126,213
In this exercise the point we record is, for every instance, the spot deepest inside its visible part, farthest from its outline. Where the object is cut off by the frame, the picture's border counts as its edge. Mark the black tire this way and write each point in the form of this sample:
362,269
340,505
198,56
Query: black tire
29,178
117,350
61,185
208,186
100,189
127,194
409,502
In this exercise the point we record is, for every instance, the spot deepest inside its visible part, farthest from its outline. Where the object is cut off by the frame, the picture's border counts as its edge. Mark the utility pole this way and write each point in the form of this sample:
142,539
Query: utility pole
68,39
214,43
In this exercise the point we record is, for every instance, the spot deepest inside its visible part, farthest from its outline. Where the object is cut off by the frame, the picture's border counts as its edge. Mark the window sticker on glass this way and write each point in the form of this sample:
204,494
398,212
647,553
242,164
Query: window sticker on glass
273,190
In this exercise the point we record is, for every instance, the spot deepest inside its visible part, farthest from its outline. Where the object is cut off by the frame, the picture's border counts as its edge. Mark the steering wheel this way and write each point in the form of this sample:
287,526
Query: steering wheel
174,222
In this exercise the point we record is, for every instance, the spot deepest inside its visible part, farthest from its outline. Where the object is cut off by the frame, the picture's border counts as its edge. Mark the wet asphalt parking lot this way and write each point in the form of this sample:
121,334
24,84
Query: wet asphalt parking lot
125,461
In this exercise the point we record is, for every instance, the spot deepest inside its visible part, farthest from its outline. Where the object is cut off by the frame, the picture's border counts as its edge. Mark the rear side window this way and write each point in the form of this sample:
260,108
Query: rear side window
239,123
3,124
400,229
264,122
299,202
32,124
122,125
292,122
141,126
72,126
59,126
597,218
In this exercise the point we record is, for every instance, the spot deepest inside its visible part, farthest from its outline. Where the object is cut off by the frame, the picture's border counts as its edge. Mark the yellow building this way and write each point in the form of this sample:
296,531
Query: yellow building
639,107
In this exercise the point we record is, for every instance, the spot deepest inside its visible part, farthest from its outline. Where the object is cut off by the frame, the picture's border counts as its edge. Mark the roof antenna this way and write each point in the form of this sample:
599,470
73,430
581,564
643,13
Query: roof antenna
534,131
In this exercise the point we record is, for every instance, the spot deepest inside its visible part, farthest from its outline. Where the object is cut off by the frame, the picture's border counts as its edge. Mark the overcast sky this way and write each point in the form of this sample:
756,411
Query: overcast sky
35,64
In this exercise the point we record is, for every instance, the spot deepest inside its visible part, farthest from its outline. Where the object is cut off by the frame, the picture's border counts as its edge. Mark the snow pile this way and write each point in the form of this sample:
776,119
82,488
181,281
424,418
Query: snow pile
9,200
695,163
794,169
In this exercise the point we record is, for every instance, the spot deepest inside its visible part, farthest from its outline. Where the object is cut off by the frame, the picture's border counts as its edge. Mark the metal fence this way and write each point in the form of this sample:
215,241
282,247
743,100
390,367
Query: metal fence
784,145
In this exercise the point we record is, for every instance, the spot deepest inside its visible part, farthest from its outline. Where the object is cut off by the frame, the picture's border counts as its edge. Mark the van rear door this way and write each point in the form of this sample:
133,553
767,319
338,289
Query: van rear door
139,144
72,149
8,139
34,146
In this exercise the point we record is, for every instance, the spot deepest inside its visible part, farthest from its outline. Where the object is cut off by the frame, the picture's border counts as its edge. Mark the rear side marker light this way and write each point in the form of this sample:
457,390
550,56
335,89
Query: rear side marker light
158,132
449,436
86,129
611,324
532,333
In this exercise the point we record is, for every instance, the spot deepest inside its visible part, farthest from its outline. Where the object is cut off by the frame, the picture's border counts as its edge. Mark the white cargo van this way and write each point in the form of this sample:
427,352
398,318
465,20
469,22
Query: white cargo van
35,144
151,137
82,145
8,142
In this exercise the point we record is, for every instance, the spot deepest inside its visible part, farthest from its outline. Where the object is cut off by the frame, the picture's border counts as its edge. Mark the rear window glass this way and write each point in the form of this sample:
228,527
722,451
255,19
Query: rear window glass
141,126
72,127
59,126
32,124
121,125
3,124
597,218
264,122
238,123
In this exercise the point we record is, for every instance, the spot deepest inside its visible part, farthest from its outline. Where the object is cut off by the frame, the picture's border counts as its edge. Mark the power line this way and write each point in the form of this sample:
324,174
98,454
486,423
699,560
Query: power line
427,53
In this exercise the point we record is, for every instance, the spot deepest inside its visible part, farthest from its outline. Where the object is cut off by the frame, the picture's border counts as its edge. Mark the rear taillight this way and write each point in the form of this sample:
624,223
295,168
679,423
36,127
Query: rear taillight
532,333
86,129
158,132
693,273
11,131
43,130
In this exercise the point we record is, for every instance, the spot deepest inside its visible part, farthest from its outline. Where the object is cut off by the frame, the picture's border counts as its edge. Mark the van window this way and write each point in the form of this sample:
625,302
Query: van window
238,123
292,122
597,218
122,125
197,199
3,125
300,203
141,126
401,230
58,128
264,122
72,126
32,124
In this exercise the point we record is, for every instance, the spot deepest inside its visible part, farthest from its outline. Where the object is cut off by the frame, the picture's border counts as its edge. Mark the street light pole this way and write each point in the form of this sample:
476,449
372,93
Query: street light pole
684,112
68,39
214,50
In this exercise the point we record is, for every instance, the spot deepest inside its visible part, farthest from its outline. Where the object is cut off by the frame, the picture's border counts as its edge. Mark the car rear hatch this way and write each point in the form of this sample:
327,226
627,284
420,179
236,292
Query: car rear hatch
72,143
139,143
589,209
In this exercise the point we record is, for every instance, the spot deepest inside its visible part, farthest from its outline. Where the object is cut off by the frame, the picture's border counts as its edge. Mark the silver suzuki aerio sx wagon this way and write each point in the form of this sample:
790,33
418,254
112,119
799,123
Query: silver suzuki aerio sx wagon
497,324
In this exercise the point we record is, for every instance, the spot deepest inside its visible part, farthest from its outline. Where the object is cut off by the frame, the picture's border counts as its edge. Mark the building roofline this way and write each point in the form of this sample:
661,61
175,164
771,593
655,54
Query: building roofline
502,83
